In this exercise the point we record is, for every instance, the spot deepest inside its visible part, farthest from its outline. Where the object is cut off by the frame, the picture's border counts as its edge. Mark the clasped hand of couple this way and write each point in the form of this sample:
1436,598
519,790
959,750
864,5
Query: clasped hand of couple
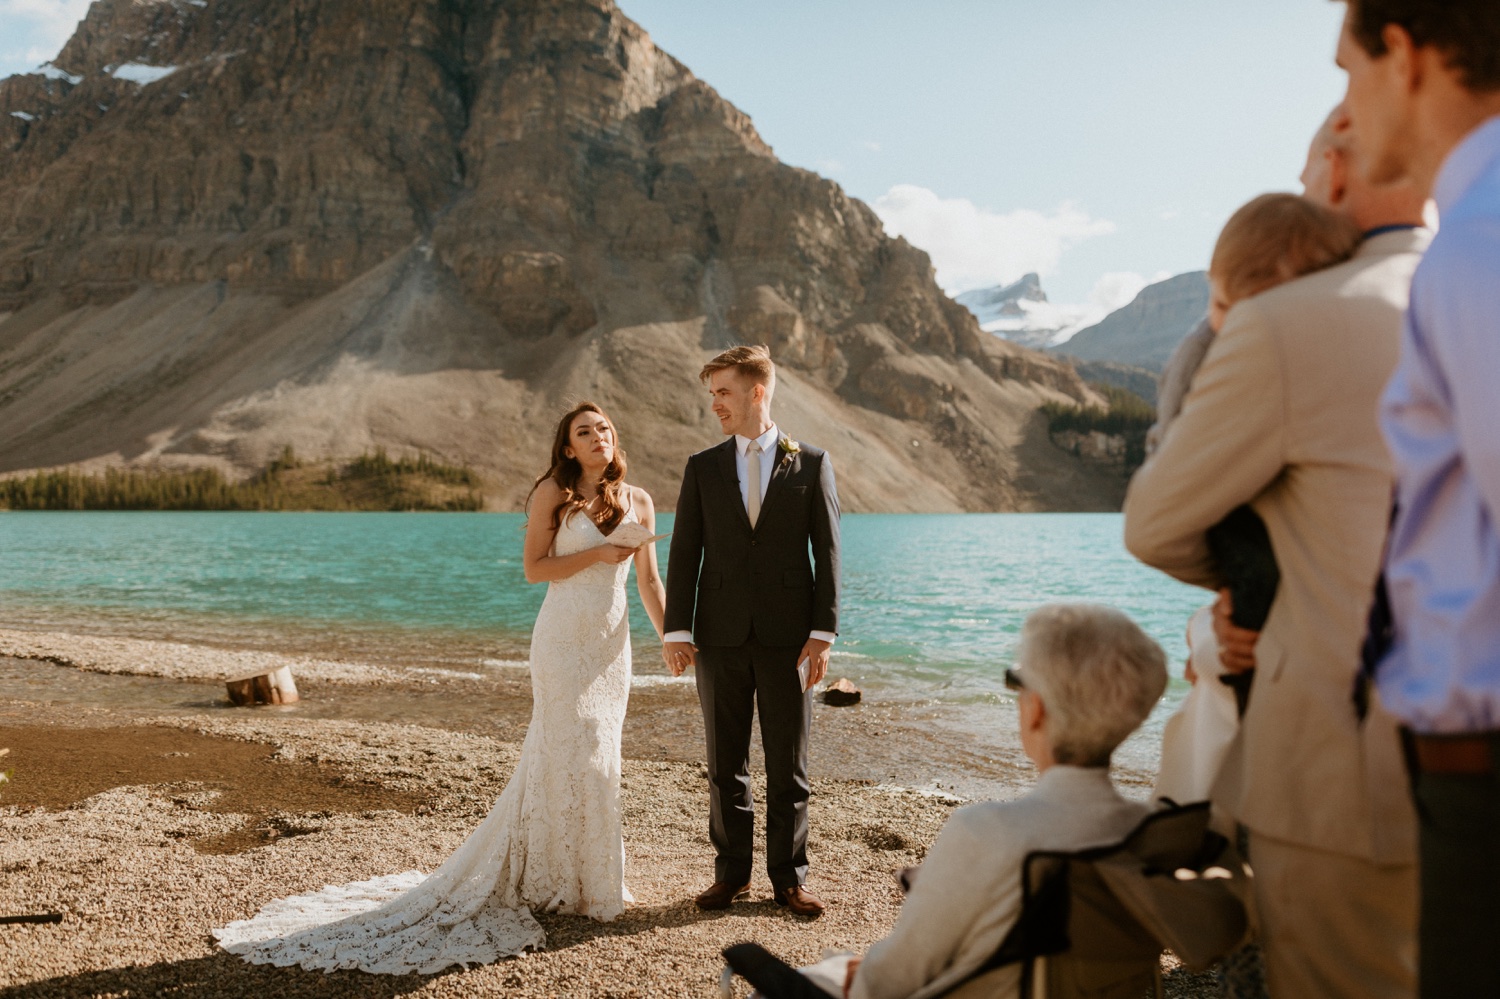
680,655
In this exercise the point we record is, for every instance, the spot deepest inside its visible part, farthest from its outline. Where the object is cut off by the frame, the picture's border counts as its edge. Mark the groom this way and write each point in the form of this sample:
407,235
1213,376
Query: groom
746,606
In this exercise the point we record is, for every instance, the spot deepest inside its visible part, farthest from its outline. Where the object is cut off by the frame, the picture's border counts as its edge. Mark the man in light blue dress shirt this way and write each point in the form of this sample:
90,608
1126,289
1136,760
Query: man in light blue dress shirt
1424,99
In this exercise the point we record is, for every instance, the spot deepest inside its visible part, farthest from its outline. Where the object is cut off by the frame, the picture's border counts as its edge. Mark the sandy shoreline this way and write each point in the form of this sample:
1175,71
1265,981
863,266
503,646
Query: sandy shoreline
181,661
210,812
970,750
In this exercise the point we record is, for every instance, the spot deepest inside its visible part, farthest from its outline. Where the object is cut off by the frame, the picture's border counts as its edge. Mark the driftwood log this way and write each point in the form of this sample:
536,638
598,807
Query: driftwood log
273,687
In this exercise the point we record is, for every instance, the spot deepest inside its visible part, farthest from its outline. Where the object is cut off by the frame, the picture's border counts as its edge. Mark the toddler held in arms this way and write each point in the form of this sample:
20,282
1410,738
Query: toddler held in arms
1271,240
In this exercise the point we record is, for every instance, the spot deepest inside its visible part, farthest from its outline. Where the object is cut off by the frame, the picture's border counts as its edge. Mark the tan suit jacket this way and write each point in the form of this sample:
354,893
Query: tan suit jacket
1282,415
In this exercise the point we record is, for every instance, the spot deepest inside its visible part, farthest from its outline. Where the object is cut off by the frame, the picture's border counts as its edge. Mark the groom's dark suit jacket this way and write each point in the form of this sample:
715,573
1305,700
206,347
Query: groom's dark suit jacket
763,582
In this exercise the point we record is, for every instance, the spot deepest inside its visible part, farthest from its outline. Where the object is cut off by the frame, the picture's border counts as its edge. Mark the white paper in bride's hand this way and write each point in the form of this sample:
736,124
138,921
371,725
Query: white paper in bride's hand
633,535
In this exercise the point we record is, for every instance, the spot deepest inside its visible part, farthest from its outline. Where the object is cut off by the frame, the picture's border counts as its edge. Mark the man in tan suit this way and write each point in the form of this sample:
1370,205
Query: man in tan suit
1282,415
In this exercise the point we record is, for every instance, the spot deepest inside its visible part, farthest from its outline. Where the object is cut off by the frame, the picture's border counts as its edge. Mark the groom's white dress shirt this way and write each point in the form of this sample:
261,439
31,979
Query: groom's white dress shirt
767,442
768,449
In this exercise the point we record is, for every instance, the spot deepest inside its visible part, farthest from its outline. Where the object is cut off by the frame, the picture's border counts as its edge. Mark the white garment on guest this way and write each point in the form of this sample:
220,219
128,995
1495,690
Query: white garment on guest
552,842
967,894
1197,736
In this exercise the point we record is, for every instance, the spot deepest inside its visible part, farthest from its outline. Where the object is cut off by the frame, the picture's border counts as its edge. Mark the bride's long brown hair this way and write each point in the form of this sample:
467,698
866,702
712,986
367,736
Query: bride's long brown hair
567,472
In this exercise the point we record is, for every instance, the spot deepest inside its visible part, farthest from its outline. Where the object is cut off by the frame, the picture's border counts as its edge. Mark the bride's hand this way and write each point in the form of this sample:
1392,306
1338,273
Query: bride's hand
613,554
679,656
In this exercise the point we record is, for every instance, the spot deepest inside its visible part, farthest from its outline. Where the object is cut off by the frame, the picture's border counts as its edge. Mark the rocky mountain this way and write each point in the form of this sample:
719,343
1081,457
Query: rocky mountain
1138,381
1144,333
227,226
1003,301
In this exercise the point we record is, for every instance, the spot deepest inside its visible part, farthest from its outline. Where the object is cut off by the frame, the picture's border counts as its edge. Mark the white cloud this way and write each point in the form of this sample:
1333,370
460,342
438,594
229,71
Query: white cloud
1116,289
972,247
828,167
872,145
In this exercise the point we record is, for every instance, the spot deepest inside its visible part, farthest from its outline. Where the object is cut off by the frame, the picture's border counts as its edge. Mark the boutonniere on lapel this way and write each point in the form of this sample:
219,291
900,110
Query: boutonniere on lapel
789,450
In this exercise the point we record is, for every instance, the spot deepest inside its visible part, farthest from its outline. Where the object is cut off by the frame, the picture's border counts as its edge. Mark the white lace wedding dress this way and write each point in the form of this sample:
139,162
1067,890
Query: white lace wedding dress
552,842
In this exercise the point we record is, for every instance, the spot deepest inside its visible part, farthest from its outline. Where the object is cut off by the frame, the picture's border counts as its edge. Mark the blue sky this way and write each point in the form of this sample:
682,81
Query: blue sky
1099,142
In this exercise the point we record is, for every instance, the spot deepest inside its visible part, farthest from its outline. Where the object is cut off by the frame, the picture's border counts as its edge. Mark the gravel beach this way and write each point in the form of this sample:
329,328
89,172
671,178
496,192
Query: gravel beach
145,830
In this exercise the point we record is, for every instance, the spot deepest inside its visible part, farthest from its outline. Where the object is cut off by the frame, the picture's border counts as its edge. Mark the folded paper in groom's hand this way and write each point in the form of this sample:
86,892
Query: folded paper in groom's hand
633,535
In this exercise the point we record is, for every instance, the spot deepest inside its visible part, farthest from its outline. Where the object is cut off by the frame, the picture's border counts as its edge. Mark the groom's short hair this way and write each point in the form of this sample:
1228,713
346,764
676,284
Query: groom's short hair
752,362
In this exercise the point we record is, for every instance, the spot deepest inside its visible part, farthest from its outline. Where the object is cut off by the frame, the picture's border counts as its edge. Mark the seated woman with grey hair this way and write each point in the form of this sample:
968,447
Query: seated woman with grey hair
1088,677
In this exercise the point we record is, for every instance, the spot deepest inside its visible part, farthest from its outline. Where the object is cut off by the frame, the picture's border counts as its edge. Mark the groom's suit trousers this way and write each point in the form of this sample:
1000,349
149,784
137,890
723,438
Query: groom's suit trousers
733,682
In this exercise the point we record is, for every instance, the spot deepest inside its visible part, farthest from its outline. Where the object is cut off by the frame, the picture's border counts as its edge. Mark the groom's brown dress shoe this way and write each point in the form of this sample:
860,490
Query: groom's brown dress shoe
720,895
800,901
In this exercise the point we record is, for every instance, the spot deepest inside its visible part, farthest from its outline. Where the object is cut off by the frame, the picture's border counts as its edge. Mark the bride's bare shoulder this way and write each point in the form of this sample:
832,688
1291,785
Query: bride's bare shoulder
547,494
640,497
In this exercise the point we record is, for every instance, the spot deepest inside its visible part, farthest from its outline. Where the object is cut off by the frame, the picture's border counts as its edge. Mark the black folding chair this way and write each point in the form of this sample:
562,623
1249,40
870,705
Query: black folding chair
1095,922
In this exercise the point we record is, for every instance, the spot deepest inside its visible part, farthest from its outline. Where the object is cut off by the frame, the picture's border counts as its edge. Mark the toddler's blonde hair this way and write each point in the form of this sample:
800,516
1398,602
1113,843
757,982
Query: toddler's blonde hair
1278,237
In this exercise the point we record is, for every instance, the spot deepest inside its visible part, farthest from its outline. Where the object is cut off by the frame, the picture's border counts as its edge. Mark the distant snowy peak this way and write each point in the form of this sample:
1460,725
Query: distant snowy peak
1003,300
1021,312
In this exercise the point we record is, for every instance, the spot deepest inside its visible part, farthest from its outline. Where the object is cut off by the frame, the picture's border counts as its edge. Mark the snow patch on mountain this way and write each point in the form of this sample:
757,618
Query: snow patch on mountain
51,72
1021,312
141,74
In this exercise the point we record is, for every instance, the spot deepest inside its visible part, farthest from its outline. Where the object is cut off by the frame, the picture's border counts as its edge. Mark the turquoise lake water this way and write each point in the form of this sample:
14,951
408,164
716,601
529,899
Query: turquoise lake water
932,604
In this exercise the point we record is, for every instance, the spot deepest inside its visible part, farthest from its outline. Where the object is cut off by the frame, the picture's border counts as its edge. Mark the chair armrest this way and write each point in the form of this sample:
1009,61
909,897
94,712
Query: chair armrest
771,976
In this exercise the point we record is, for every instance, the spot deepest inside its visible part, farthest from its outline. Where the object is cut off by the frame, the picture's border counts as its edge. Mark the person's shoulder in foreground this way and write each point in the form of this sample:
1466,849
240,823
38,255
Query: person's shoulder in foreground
1380,270
1440,413
1468,196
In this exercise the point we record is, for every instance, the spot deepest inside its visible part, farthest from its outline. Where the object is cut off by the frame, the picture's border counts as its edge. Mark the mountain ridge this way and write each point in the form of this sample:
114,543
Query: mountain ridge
1144,332
426,226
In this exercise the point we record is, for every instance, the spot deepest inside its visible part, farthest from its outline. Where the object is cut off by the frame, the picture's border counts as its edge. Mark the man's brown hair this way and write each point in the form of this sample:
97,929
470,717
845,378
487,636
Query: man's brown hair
1466,32
1277,237
752,362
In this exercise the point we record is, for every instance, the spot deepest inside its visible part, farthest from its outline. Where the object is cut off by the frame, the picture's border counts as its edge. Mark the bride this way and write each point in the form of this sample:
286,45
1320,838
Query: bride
553,840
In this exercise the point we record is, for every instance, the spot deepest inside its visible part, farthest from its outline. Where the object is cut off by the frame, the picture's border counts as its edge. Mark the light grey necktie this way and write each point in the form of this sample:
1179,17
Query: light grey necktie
752,477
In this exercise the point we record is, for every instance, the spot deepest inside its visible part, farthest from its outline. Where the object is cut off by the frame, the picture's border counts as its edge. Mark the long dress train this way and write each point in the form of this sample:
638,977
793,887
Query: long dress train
552,842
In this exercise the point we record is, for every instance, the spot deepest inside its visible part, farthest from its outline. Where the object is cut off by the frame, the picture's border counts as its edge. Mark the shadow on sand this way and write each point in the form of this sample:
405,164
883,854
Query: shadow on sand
215,976
225,976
